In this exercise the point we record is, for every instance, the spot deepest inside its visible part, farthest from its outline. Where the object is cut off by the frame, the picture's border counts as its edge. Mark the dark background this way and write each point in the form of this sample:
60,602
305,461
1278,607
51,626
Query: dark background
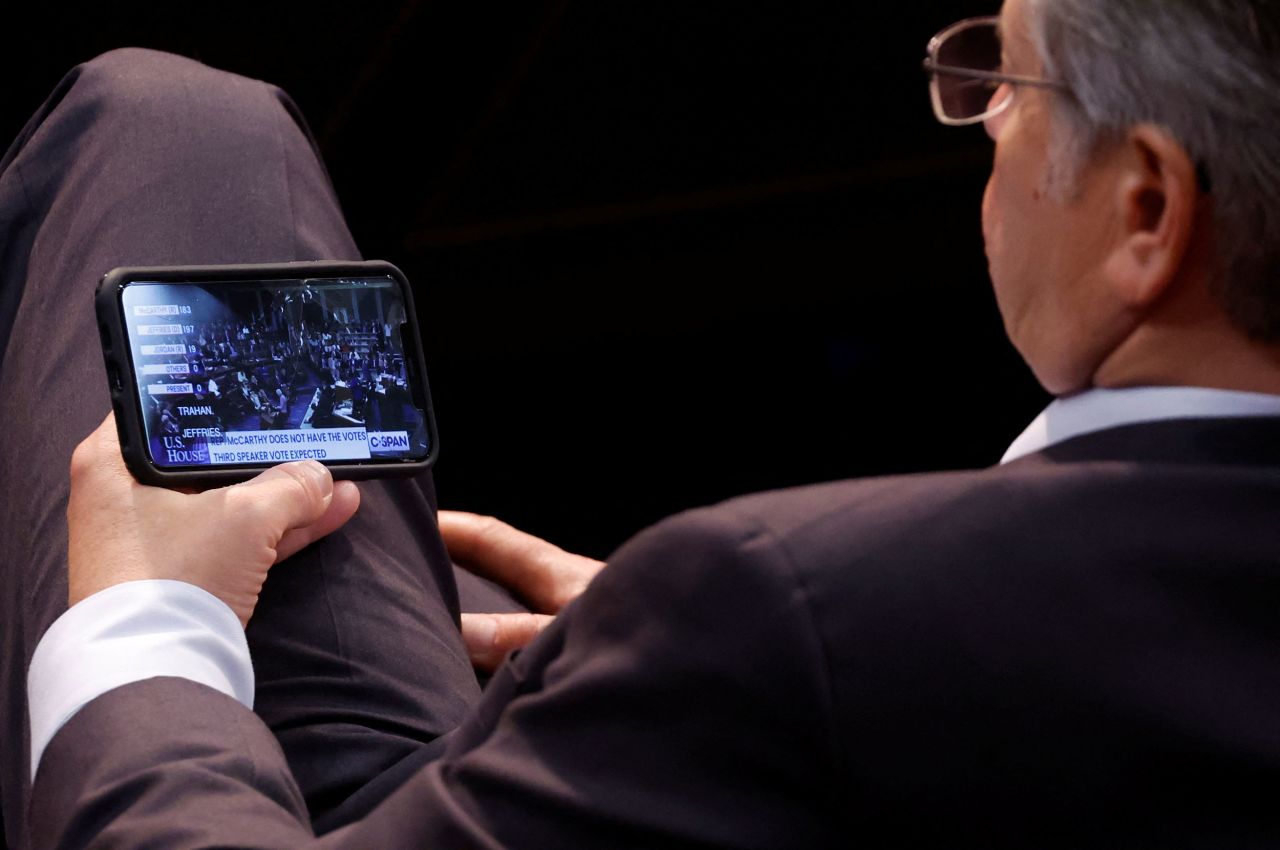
664,252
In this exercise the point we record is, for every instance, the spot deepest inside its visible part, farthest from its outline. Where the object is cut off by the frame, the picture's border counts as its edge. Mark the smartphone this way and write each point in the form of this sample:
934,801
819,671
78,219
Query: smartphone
219,372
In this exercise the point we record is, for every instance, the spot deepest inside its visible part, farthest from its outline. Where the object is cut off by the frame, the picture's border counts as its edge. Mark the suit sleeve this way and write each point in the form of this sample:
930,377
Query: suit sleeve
681,702
165,762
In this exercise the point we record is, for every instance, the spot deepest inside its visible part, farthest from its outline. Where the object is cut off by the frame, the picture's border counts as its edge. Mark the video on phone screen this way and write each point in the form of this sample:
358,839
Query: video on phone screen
273,371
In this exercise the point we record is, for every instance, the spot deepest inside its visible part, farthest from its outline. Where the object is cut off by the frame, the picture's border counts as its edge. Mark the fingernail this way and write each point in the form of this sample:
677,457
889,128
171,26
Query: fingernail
318,475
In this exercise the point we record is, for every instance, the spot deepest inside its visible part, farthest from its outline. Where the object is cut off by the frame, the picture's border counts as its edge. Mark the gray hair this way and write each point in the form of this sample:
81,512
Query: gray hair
1208,71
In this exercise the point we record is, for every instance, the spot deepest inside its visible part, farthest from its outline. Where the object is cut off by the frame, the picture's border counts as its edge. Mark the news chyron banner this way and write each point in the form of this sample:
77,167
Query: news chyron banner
202,446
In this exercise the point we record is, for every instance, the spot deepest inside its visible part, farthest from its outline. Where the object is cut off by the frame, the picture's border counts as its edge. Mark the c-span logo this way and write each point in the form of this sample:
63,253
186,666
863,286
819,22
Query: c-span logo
388,442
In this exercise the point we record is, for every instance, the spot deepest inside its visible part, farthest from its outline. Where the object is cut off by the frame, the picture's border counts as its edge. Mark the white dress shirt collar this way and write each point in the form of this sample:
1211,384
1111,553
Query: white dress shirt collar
1097,410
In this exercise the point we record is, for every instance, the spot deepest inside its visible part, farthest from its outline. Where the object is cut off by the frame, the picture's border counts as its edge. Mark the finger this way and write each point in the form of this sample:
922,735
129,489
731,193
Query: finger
343,505
545,575
489,637
285,497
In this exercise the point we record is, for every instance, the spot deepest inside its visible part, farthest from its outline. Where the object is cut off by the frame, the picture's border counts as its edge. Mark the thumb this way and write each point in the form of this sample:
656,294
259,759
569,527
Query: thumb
489,637
286,497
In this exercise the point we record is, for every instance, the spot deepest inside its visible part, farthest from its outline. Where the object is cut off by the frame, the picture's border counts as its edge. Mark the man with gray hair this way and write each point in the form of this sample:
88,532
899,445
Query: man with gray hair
1075,648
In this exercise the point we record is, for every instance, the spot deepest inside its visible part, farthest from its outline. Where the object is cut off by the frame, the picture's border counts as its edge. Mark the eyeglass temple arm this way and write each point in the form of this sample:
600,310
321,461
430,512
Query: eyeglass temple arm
995,76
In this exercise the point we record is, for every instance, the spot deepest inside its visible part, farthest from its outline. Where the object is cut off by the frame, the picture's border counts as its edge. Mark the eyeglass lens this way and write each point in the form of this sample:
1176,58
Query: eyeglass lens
975,47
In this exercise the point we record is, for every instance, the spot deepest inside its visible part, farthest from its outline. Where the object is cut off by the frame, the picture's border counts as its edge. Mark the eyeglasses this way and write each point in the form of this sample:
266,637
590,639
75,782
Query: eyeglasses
965,82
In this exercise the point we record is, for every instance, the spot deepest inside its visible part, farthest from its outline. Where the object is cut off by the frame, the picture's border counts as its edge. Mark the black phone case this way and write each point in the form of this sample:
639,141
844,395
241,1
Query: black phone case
123,384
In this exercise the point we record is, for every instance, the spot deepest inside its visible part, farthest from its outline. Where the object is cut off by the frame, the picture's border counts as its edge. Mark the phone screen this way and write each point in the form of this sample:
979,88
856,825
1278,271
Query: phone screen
263,372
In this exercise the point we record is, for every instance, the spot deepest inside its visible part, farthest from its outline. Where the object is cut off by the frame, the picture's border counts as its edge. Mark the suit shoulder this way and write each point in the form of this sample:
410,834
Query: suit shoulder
805,529
946,512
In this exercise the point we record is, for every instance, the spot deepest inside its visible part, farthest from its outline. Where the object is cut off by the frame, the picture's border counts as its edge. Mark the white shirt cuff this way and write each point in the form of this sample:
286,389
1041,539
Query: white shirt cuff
127,633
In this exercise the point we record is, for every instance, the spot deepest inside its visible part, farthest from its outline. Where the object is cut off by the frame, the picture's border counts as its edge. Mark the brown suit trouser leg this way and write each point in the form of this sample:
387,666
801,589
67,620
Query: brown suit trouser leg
142,158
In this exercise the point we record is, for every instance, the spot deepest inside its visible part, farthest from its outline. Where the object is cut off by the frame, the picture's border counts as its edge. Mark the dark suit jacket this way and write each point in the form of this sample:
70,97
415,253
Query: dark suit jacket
1078,649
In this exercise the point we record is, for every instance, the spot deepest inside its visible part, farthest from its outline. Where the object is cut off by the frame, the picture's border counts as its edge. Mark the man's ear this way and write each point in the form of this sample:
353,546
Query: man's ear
1156,199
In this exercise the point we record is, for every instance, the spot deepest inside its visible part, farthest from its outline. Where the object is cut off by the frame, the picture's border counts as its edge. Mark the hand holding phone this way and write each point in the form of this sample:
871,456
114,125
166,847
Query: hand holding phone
223,541
218,372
